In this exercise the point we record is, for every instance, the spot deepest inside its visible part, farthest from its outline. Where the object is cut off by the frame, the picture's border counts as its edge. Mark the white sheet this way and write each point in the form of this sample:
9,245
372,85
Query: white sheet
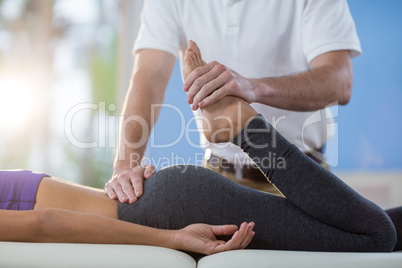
89,255
45,255
291,259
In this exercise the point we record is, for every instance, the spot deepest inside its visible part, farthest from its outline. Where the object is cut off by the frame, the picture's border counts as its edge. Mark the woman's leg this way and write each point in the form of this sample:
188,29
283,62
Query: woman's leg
57,193
316,191
323,214
396,216
319,211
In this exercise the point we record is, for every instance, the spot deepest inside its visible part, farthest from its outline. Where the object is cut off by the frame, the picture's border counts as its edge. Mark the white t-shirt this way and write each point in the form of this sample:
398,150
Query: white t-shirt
256,38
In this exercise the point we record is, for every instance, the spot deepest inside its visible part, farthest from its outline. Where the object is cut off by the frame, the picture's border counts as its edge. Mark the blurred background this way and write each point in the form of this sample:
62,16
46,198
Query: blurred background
65,67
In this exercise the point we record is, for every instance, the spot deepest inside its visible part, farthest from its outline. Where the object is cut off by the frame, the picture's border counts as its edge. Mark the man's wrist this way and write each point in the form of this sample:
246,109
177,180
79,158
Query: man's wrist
260,88
255,86
119,167
129,161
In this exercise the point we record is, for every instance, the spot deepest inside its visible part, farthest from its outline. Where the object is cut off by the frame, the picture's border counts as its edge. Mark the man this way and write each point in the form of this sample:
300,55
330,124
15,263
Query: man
289,59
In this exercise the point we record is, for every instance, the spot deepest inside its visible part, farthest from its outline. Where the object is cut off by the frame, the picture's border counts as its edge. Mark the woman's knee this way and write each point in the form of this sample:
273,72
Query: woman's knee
384,239
389,236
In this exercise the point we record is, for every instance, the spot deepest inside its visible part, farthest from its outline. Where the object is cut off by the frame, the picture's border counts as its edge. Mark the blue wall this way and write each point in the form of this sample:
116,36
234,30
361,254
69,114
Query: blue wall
369,127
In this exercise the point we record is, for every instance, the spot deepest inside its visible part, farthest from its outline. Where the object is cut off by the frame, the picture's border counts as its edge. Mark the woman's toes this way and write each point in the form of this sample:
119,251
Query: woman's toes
192,58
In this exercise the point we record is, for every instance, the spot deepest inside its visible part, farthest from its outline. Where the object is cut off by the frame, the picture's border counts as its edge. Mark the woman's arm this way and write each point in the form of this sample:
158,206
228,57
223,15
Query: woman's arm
64,226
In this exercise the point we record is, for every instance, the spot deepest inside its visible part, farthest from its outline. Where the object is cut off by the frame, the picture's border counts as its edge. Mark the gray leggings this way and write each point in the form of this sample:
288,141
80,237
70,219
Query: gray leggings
319,212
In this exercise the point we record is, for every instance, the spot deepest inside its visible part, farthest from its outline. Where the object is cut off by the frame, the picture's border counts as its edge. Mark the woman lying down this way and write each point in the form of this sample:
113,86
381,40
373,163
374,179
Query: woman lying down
186,207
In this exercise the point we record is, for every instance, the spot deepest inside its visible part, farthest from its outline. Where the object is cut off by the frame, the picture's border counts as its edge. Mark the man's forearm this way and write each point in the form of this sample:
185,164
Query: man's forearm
135,126
329,81
151,72
306,91
139,117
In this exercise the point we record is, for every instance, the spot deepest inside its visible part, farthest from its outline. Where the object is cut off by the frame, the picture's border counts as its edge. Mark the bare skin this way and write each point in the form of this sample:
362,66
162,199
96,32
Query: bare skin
329,81
65,212
223,119
126,184
151,73
208,83
56,193
70,213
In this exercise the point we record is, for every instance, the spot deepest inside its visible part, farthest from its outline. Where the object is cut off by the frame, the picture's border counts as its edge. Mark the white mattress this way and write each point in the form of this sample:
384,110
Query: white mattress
291,259
44,255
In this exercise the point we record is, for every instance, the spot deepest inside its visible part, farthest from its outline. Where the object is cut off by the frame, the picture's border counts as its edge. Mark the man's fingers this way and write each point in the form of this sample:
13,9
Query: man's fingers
127,186
197,72
212,88
127,191
201,75
137,185
110,192
200,82
149,171
137,178
119,192
216,95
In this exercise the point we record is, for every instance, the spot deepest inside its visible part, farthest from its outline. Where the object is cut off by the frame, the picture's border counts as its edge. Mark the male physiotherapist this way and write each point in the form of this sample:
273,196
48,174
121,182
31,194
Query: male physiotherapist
291,59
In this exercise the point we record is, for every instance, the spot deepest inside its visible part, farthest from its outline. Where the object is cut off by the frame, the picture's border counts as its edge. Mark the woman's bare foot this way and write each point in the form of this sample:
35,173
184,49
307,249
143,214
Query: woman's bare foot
225,118
192,58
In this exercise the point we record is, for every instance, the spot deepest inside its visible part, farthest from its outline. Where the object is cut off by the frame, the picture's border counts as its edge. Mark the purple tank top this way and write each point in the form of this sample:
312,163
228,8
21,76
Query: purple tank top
18,189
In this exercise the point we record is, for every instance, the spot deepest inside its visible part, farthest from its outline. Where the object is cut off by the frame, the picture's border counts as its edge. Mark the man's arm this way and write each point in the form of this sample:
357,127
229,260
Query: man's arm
63,226
151,73
329,80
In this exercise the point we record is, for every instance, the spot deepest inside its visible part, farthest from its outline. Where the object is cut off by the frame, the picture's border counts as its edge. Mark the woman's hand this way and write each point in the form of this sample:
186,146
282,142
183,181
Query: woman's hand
201,238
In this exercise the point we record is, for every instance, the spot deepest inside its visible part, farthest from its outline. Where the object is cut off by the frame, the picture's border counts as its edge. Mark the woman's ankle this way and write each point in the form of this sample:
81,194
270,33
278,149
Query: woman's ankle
223,120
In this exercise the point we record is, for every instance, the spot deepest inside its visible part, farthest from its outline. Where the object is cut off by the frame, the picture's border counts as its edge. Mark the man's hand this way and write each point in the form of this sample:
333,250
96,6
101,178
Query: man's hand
127,185
213,81
328,82
201,238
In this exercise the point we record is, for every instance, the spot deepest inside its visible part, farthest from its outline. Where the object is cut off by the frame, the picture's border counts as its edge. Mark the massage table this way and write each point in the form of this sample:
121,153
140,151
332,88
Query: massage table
16,254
